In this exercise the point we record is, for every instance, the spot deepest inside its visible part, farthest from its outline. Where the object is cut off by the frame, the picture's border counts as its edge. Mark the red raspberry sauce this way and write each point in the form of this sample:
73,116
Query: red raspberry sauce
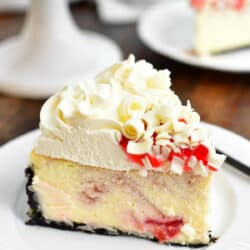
165,229
198,4
238,4
155,162
235,4
200,152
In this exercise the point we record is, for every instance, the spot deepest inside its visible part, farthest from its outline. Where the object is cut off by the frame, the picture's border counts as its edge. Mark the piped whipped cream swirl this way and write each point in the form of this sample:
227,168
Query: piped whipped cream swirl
131,100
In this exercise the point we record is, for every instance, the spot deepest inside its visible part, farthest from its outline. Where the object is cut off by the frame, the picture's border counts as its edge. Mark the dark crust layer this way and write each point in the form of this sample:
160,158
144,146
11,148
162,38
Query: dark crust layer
36,218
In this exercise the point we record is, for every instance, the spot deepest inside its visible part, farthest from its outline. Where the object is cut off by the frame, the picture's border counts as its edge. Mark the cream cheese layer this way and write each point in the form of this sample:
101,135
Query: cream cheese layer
128,117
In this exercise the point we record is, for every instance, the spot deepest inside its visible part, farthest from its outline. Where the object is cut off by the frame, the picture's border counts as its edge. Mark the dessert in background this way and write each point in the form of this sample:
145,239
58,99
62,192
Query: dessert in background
122,155
221,25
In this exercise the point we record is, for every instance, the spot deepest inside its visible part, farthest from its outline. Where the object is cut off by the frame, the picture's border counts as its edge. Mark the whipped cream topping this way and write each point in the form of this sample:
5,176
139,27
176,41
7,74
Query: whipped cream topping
127,118
219,4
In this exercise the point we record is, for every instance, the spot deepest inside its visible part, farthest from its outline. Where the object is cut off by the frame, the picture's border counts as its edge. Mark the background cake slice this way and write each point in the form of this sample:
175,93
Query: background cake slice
221,25
122,155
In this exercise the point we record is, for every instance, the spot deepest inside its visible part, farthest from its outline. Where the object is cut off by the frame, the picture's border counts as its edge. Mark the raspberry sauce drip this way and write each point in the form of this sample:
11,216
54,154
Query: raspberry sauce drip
238,4
165,229
154,161
198,4
134,158
235,4
200,153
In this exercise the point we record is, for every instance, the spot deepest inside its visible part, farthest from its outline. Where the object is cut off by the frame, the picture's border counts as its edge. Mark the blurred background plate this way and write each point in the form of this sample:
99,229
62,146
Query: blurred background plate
123,11
169,29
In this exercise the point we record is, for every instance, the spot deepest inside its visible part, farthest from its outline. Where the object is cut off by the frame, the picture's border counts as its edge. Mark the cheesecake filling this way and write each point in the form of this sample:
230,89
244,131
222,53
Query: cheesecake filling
57,206
127,118
170,208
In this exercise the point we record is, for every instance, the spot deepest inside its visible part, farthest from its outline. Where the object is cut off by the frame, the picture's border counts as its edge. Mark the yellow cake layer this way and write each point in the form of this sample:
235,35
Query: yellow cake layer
123,200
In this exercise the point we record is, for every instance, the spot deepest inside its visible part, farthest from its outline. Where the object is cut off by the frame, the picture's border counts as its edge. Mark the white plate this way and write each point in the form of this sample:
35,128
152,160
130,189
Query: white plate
230,209
168,29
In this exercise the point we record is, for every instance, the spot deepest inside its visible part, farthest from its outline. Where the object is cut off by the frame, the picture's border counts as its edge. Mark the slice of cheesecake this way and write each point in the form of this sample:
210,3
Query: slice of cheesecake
221,25
122,155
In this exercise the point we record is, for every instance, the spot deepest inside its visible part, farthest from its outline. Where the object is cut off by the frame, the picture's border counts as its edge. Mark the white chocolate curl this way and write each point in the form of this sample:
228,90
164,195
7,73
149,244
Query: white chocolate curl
132,106
133,129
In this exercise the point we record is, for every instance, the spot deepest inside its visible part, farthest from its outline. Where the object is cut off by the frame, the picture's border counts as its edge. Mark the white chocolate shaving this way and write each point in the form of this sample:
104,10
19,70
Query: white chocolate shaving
140,147
133,129
177,165
192,162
